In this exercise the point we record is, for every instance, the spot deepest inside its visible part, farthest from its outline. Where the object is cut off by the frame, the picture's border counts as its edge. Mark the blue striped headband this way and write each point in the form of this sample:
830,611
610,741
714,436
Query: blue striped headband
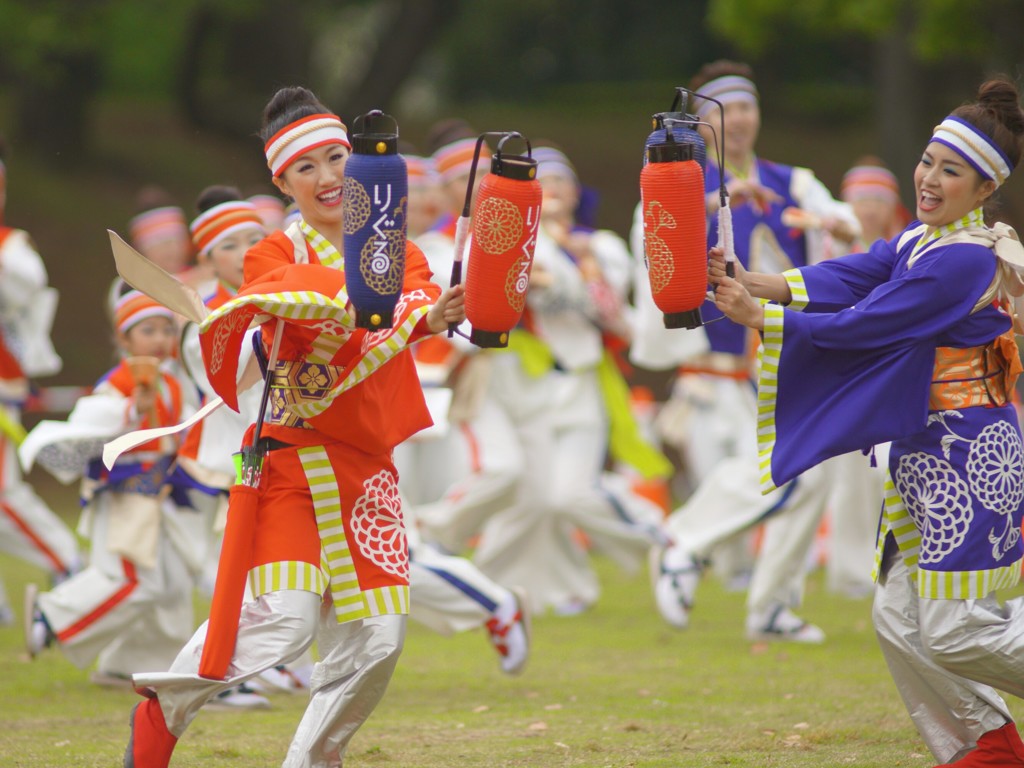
980,152
727,89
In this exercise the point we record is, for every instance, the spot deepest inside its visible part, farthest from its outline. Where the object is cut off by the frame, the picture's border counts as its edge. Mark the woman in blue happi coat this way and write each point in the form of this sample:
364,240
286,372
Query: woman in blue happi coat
913,342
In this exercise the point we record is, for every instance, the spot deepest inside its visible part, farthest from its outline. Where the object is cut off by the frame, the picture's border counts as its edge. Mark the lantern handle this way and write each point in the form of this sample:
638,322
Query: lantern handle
372,115
724,215
462,225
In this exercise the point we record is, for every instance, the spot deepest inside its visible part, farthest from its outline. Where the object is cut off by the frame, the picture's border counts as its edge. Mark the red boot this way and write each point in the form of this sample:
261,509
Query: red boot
150,744
1001,748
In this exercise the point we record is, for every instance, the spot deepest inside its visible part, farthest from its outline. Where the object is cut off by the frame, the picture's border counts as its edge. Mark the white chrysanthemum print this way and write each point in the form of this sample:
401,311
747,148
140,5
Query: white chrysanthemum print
995,468
938,500
377,524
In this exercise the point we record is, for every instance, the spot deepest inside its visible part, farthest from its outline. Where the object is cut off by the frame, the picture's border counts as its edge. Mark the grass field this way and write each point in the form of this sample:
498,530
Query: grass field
613,687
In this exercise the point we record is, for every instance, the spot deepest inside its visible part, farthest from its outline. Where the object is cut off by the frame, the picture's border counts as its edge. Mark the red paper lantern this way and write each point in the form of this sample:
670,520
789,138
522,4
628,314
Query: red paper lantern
675,232
505,222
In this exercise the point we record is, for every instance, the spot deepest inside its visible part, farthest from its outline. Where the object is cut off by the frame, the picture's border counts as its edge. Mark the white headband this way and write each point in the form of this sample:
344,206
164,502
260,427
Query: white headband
727,89
975,147
297,138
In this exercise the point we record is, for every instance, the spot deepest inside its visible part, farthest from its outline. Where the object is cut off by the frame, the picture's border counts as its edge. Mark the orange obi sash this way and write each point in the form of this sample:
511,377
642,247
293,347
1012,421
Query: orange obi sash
974,376
295,382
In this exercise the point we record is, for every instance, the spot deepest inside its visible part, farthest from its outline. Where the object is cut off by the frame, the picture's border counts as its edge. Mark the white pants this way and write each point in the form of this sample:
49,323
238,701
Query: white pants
113,597
947,657
450,594
562,432
854,508
490,464
28,528
729,502
357,661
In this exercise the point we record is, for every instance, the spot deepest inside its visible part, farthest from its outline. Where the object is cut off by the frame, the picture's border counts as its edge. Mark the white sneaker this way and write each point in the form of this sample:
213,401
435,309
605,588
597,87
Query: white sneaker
780,623
280,678
239,698
509,632
38,634
674,577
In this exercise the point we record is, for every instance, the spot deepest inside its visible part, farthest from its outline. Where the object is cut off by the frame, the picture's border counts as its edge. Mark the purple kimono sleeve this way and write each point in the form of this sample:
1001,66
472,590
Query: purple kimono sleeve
833,383
842,282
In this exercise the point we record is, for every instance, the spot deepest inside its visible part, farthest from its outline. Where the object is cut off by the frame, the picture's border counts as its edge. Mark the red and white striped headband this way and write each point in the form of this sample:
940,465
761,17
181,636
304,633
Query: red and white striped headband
298,138
216,223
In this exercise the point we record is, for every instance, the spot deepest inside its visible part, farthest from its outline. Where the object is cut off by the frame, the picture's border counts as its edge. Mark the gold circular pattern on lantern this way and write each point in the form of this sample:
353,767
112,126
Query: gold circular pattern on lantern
660,264
355,205
382,269
503,338
374,319
498,225
381,147
517,281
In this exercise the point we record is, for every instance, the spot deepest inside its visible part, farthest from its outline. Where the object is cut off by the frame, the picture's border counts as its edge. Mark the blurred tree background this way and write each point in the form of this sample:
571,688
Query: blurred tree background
100,97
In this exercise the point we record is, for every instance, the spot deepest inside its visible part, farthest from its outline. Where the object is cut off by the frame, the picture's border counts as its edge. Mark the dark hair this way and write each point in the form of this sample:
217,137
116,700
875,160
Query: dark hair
150,197
447,131
998,115
720,68
288,105
215,195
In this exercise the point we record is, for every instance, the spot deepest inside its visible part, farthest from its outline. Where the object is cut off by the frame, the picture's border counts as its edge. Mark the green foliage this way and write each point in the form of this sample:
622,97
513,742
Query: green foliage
939,28
36,34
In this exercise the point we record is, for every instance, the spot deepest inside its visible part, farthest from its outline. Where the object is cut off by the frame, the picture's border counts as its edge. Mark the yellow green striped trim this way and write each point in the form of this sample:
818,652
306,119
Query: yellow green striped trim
325,250
797,289
375,357
350,601
975,218
767,392
289,574
291,305
387,601
323,488
966,585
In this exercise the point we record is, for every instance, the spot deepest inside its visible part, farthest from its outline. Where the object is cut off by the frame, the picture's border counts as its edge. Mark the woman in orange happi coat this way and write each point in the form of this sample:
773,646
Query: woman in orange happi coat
329,553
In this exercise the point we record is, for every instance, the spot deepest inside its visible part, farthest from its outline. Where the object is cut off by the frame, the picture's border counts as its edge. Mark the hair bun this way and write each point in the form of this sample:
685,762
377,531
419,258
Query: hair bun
1001,96
287,105
215,195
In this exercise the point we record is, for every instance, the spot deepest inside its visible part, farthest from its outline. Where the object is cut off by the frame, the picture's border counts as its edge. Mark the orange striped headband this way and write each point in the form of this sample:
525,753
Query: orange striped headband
298,138
158,225
864,182
455,159
216,223
134,307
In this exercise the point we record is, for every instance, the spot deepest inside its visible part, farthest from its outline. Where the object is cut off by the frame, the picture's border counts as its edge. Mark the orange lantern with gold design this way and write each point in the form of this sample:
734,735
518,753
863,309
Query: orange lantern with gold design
506,219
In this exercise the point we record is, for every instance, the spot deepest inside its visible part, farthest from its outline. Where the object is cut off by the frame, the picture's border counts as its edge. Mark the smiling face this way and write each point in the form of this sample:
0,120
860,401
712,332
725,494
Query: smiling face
946,187
314,180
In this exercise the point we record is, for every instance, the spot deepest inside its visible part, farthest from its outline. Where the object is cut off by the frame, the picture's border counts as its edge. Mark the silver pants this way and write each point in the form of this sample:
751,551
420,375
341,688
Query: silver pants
947,657
357,659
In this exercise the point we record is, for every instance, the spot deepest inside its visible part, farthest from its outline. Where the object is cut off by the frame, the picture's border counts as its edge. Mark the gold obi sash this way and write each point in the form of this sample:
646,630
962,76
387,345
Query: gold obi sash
963,378
293,383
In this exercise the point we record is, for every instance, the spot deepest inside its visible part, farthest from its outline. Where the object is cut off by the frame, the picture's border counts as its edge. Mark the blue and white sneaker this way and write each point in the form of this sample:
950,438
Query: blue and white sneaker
675,574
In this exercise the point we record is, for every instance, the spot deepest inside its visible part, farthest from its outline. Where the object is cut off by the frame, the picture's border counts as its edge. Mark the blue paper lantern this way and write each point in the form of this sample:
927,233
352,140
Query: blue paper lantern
375,196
